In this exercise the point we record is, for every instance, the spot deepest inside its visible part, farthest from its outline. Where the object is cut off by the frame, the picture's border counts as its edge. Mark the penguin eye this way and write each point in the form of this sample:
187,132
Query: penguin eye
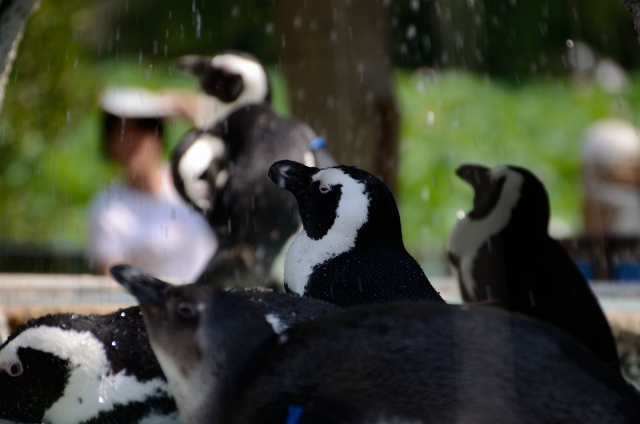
15,370
324,189
186,310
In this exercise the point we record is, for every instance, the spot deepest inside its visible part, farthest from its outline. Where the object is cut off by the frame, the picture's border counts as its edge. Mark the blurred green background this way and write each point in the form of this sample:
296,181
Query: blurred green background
525,107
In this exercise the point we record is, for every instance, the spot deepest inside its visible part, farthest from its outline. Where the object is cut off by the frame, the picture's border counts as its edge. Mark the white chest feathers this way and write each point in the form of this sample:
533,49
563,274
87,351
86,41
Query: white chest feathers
305,253
469,235
90,378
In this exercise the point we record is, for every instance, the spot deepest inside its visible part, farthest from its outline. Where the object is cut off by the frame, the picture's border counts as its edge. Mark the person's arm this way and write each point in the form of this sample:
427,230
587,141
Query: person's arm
183,102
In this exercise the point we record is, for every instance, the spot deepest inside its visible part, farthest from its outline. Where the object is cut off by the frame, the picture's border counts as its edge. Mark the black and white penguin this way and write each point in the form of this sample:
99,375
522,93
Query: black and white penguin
403,362
69,368
280,310
199,168
228,163
350,251
503,255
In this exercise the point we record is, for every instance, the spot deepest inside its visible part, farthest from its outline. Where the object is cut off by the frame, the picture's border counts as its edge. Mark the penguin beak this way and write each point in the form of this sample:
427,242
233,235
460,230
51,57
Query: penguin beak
292,176
148,290
194,64
477,176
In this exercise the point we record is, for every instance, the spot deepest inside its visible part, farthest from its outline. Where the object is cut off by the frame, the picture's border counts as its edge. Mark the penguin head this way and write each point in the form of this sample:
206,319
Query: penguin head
197,168
56,369
509,194
32,376
343,200
201,337
230,76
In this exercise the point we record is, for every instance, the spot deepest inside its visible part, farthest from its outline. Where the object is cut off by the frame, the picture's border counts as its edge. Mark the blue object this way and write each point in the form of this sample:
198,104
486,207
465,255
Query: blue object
317,144
294,414
627,271
586,268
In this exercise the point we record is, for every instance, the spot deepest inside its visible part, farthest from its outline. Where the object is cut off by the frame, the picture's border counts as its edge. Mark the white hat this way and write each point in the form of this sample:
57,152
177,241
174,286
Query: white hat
136,103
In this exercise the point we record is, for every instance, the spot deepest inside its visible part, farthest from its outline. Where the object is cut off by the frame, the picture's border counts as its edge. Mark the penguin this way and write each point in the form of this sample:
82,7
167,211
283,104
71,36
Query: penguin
504,256
69,368
222,169
280,310
350,251
400,362
198,169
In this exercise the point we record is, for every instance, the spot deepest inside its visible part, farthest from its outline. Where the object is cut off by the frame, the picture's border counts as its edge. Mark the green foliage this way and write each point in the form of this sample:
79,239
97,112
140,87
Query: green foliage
48,94
165,29
50,162
517,39
49,172
459,118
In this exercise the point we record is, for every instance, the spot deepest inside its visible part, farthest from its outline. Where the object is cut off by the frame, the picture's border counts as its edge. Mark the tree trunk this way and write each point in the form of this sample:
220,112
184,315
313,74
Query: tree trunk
13,17
634,7
336,57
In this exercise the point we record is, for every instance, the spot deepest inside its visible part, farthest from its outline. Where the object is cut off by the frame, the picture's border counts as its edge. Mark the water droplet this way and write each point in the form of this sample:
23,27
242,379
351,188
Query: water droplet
74,317
101,399
198,25
411,32
431,117
570,43
461,214
114,343
124,314
270,28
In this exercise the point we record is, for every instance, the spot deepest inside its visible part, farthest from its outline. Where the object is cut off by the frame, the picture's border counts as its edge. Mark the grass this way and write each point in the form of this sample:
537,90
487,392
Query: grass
447,119
51,175
458,117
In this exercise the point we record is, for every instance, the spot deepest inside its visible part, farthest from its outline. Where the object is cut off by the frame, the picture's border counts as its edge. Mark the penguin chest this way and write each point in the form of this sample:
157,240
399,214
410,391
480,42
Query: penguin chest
302,257
479,260
463,249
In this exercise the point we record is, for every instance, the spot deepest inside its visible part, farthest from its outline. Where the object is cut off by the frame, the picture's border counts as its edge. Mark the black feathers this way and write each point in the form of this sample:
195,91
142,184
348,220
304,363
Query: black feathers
55,372
252,219
395,362
351,250
26,398
517,265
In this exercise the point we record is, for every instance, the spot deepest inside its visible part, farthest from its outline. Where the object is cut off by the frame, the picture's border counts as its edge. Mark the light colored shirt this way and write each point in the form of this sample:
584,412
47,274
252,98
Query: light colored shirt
157,233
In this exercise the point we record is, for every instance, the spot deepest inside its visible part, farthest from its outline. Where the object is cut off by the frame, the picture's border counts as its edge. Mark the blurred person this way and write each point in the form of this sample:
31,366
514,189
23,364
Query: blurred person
142,220
4,327
610,179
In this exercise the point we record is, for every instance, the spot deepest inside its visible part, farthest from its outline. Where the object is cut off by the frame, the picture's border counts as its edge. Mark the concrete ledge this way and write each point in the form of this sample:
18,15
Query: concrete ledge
25,296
